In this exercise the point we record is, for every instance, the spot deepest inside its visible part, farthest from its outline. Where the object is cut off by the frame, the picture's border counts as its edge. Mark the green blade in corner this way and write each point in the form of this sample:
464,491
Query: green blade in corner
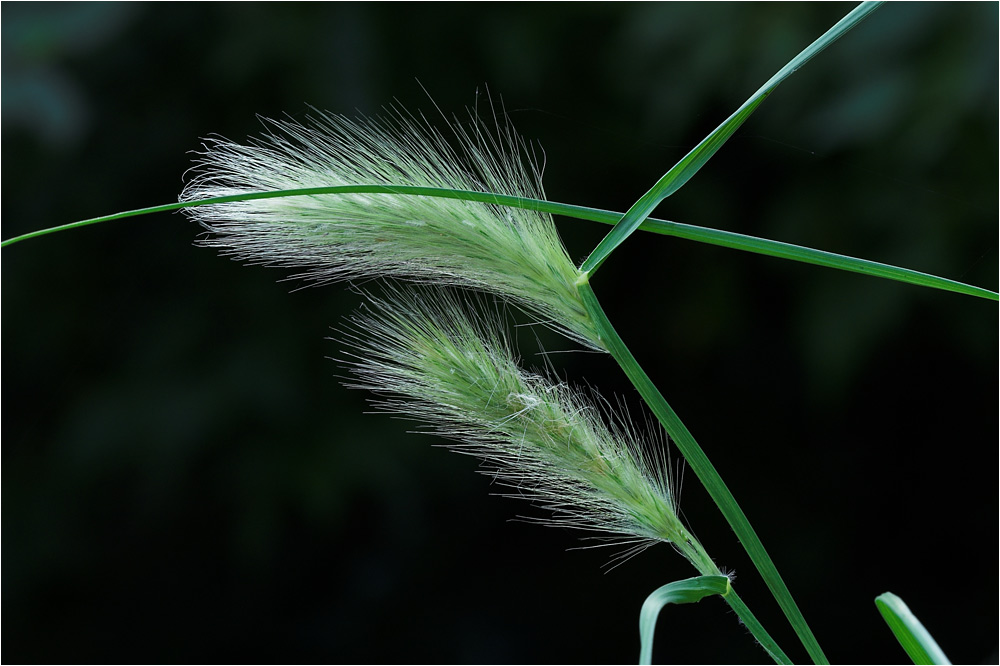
910,633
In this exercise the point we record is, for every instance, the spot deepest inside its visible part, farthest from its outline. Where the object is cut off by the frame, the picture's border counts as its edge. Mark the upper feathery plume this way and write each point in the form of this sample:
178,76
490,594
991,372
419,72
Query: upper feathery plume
437,360
512,252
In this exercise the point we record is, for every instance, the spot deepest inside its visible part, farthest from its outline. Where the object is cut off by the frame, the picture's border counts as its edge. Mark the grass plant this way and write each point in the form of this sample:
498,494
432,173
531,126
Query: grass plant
336,199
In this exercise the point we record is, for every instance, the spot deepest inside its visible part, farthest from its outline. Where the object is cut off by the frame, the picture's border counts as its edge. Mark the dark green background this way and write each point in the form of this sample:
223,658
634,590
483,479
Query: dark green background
185,479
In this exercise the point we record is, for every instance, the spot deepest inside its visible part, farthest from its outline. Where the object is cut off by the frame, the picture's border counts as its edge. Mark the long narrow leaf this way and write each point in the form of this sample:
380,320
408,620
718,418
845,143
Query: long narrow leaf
909,631
689,165
688,231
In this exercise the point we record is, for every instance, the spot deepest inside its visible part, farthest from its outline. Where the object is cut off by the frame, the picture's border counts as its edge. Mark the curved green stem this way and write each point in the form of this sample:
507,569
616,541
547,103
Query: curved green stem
703,469
687,591
693,590
664,227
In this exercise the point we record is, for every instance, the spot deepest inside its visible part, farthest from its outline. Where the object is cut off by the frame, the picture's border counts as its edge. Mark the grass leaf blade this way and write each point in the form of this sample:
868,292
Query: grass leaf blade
664,227
689,165
909,631
812,256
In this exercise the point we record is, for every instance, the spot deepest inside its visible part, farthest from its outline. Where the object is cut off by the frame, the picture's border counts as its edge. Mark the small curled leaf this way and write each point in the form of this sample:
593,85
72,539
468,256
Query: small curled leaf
687,591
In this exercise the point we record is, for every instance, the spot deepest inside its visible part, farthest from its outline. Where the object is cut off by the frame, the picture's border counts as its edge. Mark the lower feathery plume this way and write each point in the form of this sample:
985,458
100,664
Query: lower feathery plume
435,359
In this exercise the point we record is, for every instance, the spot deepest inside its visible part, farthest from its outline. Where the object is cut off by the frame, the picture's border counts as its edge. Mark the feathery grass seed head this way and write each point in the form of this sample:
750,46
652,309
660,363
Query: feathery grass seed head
508,251
434,359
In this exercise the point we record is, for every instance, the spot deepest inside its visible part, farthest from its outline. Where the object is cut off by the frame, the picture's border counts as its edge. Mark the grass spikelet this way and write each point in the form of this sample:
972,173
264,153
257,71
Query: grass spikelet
436,360
511,252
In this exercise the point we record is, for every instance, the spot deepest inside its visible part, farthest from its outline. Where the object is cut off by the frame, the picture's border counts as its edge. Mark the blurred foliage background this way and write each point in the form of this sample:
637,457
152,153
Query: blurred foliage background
185,479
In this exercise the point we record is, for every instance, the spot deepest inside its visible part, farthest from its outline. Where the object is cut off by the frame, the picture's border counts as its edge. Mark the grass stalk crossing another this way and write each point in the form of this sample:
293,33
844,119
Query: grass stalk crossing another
709,236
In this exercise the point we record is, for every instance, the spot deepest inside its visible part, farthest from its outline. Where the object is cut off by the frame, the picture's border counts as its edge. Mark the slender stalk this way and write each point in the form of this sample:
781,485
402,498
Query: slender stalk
664,227
703,469
755,627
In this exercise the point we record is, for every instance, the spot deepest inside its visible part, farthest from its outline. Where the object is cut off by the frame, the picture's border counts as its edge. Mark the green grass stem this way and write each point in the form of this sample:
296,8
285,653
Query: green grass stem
691,163
703,469
755,627
717,237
